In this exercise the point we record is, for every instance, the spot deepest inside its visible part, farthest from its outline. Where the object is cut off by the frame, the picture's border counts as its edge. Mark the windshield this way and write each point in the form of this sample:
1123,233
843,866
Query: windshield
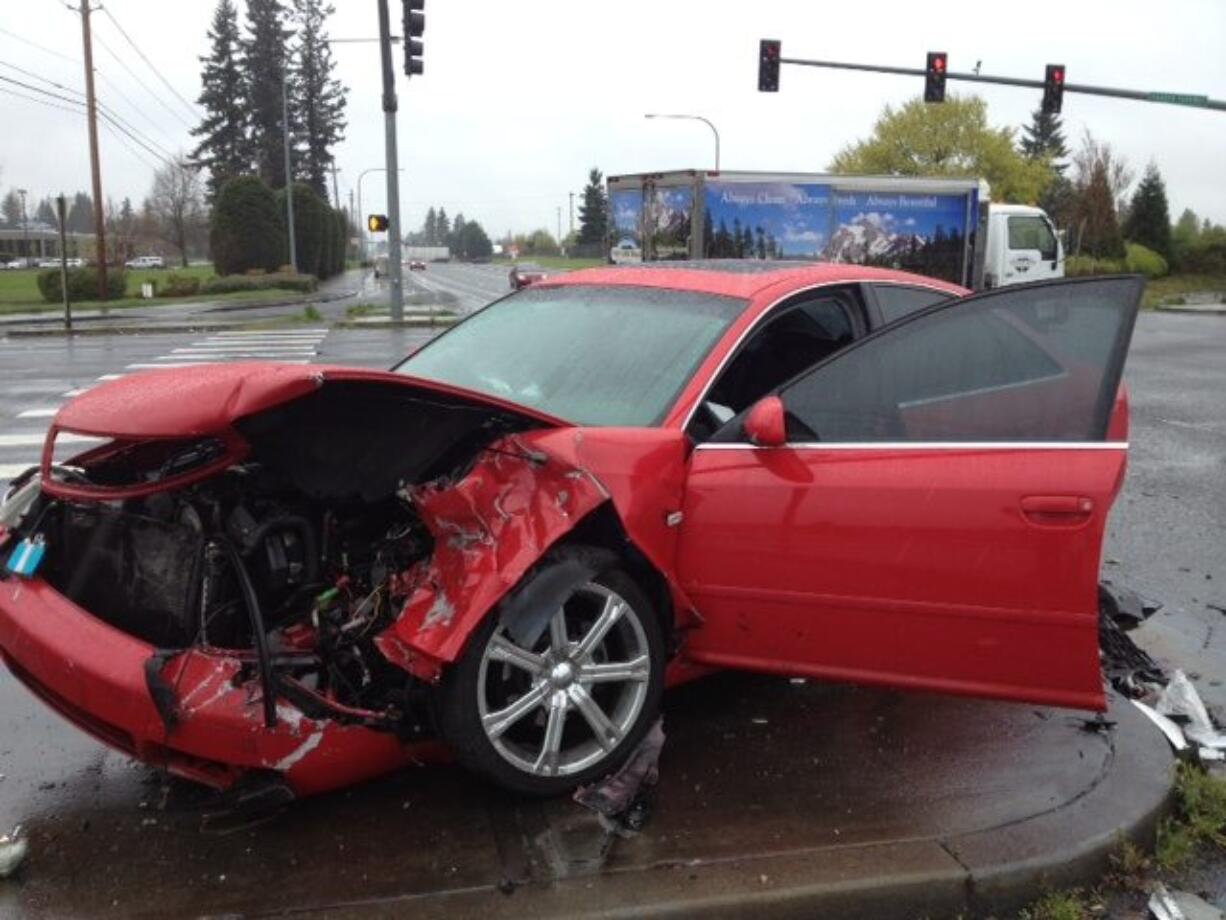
589,354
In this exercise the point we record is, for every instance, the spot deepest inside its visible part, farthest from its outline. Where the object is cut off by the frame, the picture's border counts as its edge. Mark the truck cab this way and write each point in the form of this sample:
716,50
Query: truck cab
1022,246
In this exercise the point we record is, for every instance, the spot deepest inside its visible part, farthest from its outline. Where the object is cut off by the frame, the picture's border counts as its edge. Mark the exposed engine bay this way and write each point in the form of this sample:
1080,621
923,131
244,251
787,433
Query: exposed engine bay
292,560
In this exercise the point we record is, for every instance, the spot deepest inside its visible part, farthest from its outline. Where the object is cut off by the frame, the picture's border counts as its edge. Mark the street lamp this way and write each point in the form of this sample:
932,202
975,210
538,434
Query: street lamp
705,121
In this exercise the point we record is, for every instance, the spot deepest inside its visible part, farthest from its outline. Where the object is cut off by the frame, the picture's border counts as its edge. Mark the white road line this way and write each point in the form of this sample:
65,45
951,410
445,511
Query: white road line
229,355
111,376
77,392
252,346
146,367
288,333
36,439
38,413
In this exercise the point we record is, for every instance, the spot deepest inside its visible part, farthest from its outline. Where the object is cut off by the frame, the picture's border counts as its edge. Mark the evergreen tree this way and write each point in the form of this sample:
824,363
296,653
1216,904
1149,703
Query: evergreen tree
81,214
594,210
429,229
442,227
457,230
318,99
224,144
46,212
1149,218
1043,139
11,208
263,67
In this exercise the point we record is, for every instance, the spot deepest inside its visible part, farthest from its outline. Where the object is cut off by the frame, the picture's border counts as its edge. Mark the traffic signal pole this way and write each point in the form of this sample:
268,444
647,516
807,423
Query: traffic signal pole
1185,99
394,275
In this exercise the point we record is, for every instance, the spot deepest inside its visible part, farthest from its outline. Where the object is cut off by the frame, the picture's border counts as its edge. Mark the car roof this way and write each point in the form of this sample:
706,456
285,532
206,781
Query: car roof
742,277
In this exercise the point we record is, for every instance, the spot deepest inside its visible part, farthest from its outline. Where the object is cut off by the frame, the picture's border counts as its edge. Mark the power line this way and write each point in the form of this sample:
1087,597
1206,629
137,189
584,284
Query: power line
37,89
145,86
157,73
133,106
132,150
40,47
106,111
50,105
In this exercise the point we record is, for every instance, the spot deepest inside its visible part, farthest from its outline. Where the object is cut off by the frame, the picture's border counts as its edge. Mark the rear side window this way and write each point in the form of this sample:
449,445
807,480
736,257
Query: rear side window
896,300
1032,364
1032,233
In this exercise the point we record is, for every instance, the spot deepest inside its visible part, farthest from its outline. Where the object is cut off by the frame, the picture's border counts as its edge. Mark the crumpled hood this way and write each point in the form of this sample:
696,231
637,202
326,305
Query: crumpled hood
209,398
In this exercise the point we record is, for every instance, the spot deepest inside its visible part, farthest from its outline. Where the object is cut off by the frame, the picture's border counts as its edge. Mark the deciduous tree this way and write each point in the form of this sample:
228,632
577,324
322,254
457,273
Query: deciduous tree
951,139
176,200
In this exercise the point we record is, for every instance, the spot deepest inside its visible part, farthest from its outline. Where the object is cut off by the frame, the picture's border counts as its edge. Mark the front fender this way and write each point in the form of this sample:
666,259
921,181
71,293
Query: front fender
524,494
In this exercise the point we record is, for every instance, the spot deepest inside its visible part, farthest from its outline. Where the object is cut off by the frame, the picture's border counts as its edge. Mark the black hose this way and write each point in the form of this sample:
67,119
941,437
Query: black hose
264,658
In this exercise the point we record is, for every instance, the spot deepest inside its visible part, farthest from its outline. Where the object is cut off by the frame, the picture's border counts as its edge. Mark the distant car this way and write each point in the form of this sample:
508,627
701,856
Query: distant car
417,265
48,263
23,262
76,263
146,262
525,274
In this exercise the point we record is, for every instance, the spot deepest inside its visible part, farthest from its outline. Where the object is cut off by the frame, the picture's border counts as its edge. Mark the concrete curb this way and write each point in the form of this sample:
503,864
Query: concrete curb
994,870
1218,310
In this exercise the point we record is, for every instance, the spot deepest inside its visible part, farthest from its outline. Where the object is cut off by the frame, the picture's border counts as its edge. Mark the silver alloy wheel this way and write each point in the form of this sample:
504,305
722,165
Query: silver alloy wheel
593,663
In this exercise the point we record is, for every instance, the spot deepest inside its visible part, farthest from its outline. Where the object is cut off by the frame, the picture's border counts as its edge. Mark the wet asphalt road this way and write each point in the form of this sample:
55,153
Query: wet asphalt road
752,764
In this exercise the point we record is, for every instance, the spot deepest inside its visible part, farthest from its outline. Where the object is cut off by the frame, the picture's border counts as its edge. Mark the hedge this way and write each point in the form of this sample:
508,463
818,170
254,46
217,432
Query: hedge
247,230
229,284
1145,261
82,284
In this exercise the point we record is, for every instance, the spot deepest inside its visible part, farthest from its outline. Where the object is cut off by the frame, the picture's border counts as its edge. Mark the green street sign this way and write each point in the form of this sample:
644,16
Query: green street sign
1179,99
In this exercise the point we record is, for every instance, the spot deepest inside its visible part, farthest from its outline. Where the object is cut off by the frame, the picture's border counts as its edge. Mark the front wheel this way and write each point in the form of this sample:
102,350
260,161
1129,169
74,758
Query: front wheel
544,715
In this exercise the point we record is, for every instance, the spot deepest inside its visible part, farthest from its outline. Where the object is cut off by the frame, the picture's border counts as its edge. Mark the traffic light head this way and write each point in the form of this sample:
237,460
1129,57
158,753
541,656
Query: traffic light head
768,65
414,26
377,223
1053,89
934,77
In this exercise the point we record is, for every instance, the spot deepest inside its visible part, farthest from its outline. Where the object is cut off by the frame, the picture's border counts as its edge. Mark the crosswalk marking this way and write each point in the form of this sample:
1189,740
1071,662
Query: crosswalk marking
20,450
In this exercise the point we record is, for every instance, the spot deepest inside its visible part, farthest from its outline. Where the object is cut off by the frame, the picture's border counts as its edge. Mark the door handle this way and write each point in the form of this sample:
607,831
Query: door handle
1056,510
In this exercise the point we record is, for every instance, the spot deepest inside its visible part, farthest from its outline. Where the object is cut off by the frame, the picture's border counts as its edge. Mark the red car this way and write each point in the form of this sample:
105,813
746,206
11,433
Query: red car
614,480
525,273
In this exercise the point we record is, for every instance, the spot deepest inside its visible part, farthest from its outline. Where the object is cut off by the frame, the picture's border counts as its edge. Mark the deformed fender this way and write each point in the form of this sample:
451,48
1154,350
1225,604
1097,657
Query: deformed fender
524,494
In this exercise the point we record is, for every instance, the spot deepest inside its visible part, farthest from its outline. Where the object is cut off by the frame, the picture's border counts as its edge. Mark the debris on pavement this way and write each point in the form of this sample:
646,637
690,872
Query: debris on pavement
13,848
622,800
1173,732
1127,666
1165,904
1126,607
1181,701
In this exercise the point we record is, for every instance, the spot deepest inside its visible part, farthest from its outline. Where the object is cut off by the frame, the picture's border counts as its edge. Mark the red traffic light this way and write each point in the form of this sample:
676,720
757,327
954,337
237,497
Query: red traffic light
934,77
768,65
1053,89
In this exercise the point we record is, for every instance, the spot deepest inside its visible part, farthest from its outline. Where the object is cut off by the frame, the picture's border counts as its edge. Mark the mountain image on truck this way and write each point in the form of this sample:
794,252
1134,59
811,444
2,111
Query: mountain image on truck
935,227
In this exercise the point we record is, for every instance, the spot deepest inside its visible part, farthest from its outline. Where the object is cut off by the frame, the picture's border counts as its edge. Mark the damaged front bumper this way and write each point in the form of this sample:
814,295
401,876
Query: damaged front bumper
98,678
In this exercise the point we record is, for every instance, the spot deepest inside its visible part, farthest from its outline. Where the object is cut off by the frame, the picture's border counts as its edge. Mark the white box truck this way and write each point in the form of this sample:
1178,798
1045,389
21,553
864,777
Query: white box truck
944,228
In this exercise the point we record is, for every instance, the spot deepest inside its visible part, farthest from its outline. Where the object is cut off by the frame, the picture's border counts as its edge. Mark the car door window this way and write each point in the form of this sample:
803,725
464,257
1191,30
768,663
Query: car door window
1040,363
804,332
899,300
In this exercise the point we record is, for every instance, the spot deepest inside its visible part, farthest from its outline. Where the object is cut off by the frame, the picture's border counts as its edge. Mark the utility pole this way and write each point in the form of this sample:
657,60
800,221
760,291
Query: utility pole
572,213
350,221
336,195
95,166
395,282
61,213
559,226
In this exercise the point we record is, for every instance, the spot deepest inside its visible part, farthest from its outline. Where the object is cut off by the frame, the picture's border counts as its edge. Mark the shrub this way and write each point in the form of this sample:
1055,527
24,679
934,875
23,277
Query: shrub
229,284
82,284
310,218
1075,266
176,285
1145,261
247,230
1204,257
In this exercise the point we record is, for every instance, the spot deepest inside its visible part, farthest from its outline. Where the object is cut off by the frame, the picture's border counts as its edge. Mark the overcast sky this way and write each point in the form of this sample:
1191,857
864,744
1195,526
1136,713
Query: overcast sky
519,100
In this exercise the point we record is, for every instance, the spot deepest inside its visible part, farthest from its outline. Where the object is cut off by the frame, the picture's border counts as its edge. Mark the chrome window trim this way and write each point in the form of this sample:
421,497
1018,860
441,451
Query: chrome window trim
923,445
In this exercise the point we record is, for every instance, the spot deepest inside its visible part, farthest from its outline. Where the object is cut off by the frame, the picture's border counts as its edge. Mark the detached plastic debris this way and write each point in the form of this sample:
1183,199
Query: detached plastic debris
13,849
1129,669
622,800
1126,607
1173,732
1181,701
1165,904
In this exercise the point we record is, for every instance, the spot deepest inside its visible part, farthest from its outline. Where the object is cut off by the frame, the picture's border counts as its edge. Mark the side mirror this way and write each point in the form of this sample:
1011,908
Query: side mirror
764,426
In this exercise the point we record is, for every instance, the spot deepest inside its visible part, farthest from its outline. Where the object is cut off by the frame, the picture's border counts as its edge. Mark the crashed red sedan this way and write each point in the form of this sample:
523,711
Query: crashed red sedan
614,479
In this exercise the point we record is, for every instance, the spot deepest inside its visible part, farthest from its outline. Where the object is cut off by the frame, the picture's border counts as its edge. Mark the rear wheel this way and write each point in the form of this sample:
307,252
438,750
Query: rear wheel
545,715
